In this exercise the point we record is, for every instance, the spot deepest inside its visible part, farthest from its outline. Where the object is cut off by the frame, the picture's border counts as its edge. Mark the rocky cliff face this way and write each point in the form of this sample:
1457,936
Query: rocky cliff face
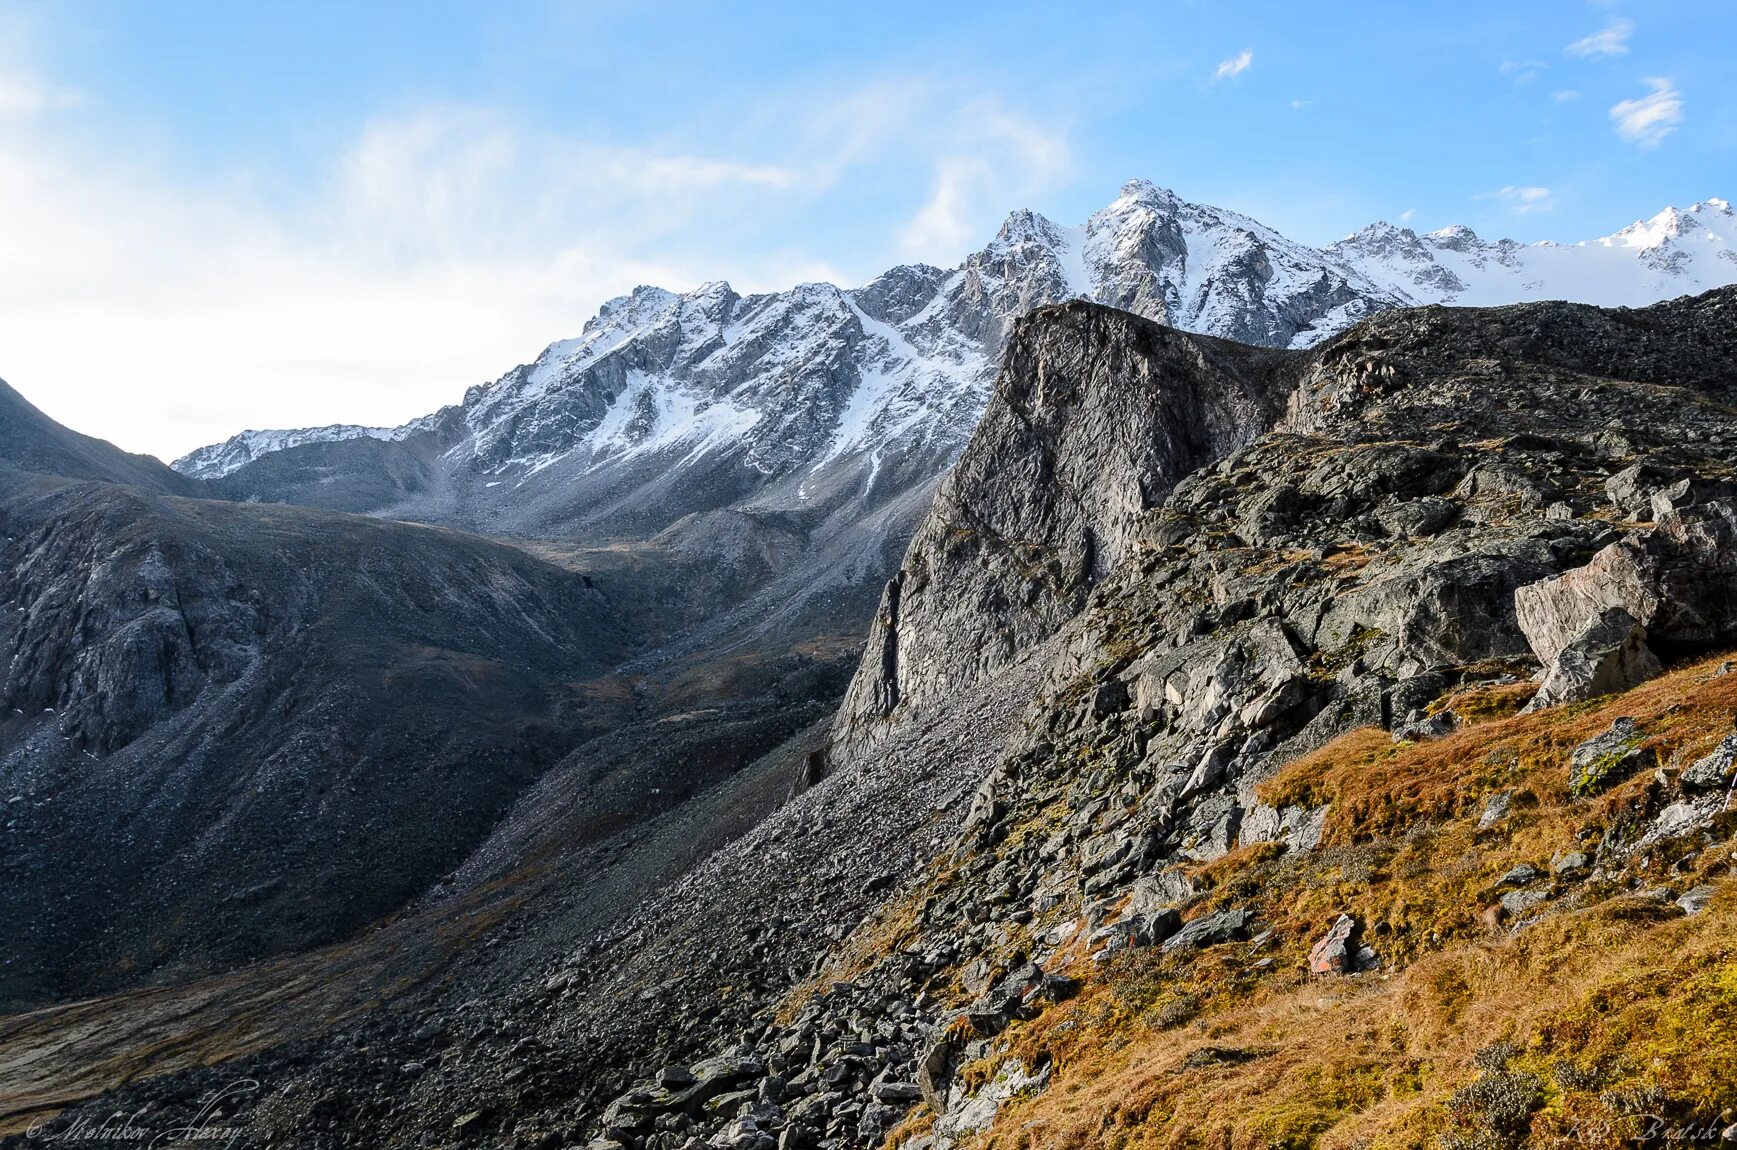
1097,415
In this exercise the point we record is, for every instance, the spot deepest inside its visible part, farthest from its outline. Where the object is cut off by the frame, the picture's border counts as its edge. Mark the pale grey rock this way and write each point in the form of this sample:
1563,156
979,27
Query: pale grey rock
1609,655
1518,903
1695,901
1713,770
1496,808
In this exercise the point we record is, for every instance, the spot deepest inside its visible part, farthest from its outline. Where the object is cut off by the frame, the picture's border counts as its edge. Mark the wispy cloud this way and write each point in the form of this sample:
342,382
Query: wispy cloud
997,155
440,248
1522,71
1522,200
23,96
1565,96
1646,120
1407,215
1299,105
1235,66
1611,40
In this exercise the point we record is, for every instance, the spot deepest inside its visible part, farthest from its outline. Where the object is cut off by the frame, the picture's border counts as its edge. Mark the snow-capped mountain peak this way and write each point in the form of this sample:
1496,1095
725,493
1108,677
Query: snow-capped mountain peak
1675,252
783,389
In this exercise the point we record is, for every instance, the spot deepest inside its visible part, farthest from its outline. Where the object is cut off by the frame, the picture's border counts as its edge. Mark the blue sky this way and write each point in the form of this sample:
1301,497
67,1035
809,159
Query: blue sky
217,215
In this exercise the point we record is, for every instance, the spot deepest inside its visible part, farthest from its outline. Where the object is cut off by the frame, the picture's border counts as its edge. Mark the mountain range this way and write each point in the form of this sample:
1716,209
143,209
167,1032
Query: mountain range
802,386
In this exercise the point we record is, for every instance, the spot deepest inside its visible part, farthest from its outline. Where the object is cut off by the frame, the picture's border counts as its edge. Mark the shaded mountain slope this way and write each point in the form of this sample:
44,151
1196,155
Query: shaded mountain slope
281,724
30,441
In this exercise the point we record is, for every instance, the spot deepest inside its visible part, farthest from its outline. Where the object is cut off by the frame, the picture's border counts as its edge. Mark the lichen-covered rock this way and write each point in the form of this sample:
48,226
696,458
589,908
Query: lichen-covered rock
1607,759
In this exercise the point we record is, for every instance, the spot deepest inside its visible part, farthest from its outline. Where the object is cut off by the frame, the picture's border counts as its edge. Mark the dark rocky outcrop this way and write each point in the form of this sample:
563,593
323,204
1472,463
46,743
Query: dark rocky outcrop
1097,415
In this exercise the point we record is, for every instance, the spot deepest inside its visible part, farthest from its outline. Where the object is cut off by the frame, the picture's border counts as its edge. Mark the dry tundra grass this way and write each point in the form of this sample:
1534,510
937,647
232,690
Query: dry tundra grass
1610,1013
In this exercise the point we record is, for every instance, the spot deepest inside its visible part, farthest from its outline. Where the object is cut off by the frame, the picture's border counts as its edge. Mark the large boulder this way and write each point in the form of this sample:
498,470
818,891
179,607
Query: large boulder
1678,583
1555,613
1610,655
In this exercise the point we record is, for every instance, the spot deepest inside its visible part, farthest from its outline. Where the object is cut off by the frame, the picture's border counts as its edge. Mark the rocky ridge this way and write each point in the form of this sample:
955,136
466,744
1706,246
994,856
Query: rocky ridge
1354,567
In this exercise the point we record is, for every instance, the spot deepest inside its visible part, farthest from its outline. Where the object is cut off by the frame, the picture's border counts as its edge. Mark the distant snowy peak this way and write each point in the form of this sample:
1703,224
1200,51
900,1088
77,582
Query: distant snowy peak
219,459
817,377
1676,252
1218,272
1711,218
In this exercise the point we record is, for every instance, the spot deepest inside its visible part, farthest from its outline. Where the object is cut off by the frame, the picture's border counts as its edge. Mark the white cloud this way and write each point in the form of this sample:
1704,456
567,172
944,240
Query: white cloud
1650,118
998,158
1301,104
444,250
1406,216
1523,71
1611,40
1235,66
942,223
1565,96
1522,200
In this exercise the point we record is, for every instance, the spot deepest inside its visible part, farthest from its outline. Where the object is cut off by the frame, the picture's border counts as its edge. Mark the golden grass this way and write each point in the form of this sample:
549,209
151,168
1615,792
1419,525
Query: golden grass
1379,788
1612,1004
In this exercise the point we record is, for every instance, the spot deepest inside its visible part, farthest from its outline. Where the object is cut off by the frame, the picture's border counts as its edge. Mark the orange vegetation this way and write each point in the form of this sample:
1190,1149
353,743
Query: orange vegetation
1609,1013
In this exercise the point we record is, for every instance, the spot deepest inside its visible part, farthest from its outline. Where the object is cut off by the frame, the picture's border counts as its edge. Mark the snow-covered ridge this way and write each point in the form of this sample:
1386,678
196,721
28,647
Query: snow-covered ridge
1676,252
821,377
219,459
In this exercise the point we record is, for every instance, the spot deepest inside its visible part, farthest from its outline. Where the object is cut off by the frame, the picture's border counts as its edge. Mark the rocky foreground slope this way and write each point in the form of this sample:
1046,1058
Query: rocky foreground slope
1326,747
